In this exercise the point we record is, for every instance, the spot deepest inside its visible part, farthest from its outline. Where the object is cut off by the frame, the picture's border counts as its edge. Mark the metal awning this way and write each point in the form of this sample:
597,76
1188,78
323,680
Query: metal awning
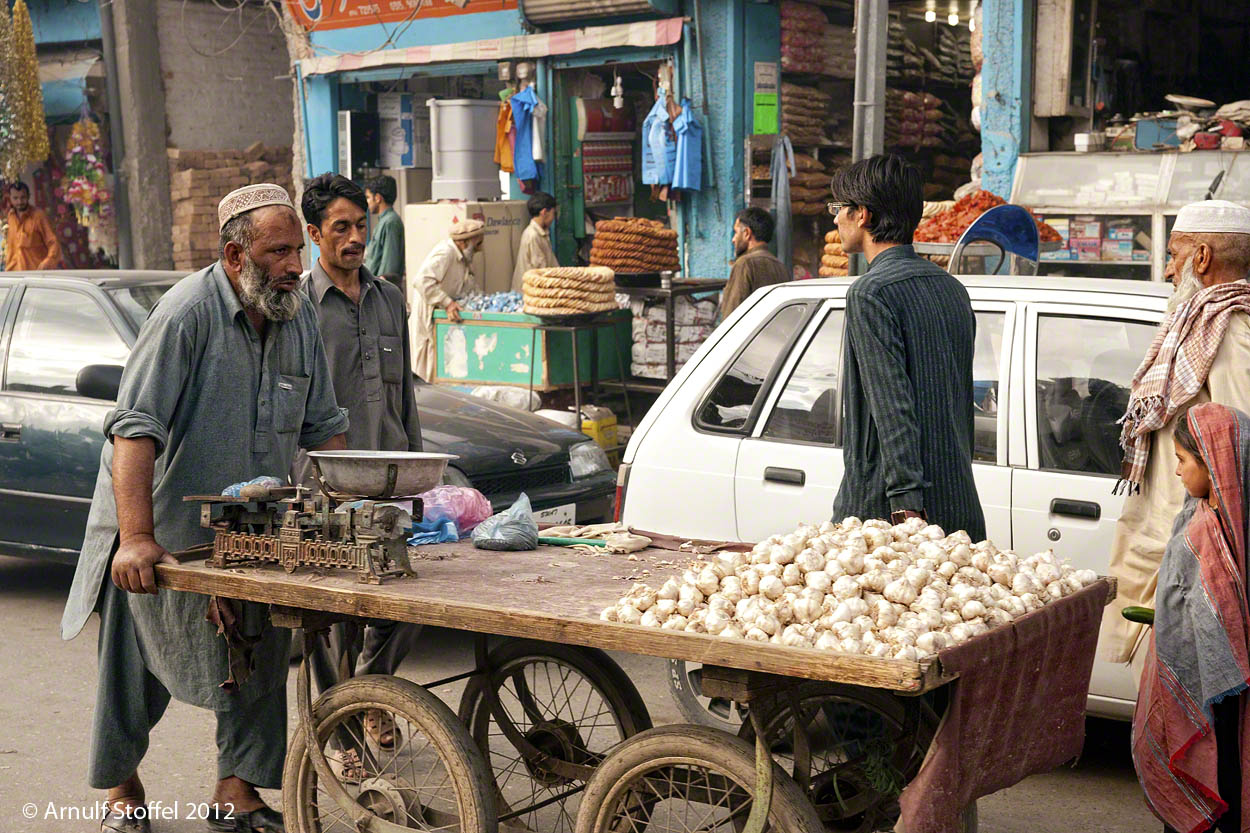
650,33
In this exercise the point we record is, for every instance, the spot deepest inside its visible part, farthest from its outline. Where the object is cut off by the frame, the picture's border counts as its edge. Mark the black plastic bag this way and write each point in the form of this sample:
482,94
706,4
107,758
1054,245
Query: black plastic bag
512,529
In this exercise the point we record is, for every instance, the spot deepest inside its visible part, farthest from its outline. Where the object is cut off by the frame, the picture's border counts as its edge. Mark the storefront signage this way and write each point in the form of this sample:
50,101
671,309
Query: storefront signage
343,14
765,109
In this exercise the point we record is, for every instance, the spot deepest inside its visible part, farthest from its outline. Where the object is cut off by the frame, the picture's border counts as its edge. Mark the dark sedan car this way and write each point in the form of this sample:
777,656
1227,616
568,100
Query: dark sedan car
63,339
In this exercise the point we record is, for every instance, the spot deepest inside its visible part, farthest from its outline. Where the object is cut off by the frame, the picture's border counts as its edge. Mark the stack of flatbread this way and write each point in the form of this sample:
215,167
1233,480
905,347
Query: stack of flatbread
634,244
833,262
569,290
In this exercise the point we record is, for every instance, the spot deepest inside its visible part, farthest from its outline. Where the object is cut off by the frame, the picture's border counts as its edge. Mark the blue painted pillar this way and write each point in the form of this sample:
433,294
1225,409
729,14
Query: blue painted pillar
321,93
1007,89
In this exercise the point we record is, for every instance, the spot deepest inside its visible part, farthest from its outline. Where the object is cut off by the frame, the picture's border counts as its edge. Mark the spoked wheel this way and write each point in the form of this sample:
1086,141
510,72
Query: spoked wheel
685,682
687,779
852,751
433,778
562,709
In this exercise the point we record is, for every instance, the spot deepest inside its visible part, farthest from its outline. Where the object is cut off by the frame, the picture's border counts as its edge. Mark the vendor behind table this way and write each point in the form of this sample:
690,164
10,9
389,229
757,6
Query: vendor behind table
444,275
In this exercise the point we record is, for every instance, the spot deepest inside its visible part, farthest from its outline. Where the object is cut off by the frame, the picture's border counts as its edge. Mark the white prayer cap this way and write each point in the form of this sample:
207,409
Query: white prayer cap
1213,217
466,228
249,198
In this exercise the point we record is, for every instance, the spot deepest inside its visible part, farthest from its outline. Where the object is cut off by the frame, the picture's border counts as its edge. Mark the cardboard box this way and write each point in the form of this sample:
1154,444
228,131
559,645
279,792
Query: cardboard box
1117,250
1087,249
1141,255
404,132
426,224
1085,228
1120,230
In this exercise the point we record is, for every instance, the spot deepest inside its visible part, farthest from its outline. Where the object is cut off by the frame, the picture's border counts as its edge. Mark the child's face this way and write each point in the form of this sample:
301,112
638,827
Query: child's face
1192,473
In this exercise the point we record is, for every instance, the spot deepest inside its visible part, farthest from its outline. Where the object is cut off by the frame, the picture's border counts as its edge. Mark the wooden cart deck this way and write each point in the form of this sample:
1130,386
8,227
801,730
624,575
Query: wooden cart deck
552,594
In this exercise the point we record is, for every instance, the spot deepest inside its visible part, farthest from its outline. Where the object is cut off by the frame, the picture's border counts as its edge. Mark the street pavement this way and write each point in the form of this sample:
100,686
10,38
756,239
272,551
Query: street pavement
47,690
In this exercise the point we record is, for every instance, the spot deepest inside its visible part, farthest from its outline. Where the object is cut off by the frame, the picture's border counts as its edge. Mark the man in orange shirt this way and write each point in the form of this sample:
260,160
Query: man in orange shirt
30,242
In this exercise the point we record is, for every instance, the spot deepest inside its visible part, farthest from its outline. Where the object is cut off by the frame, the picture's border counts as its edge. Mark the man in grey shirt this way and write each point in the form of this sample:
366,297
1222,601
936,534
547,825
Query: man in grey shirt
364,328
227,379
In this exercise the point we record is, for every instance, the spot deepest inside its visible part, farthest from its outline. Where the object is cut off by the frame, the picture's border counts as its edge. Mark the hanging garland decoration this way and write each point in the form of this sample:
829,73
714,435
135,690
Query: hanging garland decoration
10,146
85,184
32,126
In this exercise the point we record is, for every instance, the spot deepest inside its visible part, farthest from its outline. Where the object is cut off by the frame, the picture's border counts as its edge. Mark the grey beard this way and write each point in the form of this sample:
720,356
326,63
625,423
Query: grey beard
257,293
1188,287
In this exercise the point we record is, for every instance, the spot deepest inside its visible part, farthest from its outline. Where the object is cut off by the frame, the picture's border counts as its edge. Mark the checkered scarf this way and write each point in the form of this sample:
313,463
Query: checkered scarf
1175,369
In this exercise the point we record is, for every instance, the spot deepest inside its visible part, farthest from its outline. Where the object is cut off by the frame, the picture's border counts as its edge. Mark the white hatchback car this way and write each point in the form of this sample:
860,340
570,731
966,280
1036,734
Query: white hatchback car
745,441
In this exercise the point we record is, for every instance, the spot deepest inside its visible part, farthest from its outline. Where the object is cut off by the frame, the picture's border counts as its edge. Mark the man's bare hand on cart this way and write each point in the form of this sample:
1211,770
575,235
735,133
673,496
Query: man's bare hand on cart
135,561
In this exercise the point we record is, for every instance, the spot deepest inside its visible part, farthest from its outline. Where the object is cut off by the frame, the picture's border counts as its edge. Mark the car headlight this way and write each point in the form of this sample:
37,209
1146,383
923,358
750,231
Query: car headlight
453,476
586,459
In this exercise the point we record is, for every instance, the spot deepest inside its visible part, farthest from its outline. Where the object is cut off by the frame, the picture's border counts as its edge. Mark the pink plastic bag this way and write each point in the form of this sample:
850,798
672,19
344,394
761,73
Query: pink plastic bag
465,506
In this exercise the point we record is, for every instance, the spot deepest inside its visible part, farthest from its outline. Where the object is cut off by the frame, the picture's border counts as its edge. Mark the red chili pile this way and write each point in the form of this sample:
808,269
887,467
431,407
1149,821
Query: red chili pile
949,225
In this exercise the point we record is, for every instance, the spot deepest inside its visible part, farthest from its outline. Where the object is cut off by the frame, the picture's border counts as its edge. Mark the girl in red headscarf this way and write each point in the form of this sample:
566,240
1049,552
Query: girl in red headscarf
1190,739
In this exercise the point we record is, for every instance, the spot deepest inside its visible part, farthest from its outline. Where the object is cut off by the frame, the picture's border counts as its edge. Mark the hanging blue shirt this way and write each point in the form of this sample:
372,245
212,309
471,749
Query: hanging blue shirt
523,164
688,170
659,145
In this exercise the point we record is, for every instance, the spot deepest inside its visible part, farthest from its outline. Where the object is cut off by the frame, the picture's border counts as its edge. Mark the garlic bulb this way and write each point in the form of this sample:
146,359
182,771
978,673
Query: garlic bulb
819,580
1085,577
750,583
809,560
670,590
629,615
900,591
845,588
806,609
791,575
732,631
771,587
827,642
756,635
609,614
907,652
932,642
972,609
947,569
716,621
707,582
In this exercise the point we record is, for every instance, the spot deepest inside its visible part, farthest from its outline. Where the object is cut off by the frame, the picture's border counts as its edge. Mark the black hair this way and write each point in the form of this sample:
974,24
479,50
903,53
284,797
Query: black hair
539,203
1185,436
888,186
325,189
759,221
384,186
18,185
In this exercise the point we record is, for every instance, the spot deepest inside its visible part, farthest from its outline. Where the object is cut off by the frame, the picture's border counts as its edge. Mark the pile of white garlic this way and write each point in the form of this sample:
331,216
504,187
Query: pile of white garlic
902,592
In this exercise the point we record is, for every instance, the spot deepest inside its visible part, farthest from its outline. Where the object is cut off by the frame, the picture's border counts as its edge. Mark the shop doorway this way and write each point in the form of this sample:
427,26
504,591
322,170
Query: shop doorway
598,150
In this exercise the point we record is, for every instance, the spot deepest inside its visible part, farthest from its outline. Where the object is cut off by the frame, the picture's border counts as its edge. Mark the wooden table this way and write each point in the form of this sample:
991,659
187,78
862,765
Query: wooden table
552,594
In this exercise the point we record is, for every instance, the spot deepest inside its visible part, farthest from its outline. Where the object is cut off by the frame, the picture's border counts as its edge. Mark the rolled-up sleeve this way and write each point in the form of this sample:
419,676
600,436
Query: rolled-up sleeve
323,418
153,381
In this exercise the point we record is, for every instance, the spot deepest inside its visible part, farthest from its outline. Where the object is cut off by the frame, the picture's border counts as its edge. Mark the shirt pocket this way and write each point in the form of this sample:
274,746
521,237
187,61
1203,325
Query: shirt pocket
391,359
289,402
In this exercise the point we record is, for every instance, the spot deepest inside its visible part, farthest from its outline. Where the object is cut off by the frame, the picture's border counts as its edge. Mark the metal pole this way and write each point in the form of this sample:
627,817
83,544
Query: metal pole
121,201
872,24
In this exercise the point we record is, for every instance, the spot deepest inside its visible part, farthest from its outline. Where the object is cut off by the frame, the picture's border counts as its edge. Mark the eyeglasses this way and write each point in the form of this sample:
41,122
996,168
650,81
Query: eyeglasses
835,207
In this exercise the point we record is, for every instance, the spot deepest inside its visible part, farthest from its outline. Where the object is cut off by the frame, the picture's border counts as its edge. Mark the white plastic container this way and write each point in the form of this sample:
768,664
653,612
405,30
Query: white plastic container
462,142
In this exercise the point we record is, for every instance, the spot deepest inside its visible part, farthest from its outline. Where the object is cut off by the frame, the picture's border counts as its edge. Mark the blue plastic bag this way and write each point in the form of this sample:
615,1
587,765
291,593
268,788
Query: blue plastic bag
441,531
512,529
234,489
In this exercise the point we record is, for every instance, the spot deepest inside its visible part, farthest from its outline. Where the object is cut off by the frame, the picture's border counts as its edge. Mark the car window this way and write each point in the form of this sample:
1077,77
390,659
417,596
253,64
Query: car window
986,358
1085,367
137,301
59,332
808,408
728,406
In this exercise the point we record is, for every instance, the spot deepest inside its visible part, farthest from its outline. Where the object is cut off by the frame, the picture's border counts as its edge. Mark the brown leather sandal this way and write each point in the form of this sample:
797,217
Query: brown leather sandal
122,819
381,729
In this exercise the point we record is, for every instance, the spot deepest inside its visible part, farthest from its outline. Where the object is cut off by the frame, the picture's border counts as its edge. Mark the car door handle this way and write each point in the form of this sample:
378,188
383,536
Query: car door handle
1076,508
10,432
791,477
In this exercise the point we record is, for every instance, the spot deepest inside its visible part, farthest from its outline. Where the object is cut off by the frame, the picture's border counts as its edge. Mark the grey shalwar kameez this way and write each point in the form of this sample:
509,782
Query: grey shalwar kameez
222,405
367,348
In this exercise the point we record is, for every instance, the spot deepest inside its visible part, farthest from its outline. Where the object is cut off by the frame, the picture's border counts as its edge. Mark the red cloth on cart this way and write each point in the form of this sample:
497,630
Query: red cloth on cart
1018,708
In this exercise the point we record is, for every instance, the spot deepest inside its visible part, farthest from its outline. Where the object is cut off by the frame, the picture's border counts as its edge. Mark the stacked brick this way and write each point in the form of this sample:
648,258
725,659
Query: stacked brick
198,181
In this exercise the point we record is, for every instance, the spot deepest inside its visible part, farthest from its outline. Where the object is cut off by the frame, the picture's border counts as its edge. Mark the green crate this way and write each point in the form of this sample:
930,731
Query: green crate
493,348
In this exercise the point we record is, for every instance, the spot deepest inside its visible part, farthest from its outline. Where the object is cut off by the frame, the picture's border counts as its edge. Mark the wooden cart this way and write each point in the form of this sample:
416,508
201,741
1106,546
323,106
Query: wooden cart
550,733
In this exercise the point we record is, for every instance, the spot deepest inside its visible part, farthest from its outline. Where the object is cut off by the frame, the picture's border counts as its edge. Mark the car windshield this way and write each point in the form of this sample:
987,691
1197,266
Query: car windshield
137,301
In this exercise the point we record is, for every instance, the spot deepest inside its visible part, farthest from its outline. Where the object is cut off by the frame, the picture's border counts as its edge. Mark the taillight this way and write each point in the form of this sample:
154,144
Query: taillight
622,483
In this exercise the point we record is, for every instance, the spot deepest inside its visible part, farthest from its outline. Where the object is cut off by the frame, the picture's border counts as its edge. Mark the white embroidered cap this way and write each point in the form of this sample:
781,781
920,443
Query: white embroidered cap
1213,217
249,198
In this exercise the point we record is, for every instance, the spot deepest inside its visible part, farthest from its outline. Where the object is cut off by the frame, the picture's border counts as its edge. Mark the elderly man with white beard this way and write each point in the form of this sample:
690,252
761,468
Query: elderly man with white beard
1201,353
227,379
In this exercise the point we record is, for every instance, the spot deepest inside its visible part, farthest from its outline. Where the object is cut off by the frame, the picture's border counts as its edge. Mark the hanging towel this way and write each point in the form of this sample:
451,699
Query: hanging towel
782,170
688,172
540,127
659,144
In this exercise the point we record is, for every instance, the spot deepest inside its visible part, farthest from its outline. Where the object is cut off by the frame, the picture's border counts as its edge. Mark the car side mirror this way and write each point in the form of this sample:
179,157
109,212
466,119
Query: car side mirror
99,381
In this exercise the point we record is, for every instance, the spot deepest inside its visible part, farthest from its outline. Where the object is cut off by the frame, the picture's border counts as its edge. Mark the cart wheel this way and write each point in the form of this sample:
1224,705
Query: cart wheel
685,683
854,751
683,779
573,704
433,778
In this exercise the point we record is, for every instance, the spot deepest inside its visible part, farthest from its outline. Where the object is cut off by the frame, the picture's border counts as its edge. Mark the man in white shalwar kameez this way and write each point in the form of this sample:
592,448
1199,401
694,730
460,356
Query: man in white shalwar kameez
445,274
